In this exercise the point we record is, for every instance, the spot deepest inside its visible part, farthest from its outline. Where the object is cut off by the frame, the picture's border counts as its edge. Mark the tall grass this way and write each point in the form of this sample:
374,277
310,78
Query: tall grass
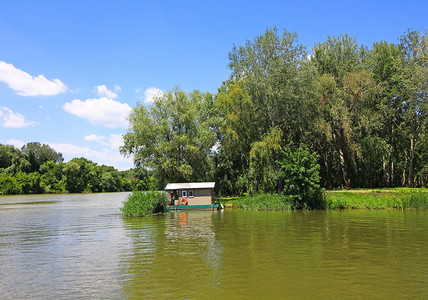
266,202
417,200
401,199
139,204
377,199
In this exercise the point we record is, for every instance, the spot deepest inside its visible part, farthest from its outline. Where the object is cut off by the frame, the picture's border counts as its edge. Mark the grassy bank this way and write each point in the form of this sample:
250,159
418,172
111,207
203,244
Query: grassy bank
274,202
265,202
379,198
139,203
351,199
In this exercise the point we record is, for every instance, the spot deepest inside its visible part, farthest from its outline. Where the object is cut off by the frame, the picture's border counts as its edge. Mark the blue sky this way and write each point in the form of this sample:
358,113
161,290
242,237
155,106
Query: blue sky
70,71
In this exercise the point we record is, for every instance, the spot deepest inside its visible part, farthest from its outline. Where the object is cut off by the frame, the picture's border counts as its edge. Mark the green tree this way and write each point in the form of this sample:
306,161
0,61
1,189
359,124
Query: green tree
51,180
338,56
37,154
236,133
28,183
8,184
174,136
81,175
136,179
344,88
269,66
274,70
413,78
264,171
12,159
384,61
110,179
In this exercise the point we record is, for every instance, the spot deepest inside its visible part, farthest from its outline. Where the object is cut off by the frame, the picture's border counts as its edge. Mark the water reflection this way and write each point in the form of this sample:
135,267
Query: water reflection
176,254
79,246
62,248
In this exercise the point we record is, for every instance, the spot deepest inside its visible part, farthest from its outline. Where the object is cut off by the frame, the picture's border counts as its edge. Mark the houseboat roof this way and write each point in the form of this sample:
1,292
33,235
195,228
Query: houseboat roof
190,185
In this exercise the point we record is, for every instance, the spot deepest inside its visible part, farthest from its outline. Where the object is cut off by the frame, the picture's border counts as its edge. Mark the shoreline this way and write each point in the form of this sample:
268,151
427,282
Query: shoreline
399,198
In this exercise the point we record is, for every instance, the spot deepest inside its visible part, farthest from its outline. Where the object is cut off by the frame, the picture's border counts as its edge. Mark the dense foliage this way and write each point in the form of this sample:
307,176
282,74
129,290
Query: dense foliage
286,121
173,136
140,203
299,174
359,113
38,168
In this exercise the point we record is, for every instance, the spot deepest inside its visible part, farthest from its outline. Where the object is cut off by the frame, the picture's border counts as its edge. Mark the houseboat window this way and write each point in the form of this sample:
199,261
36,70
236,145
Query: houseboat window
191,194
184,194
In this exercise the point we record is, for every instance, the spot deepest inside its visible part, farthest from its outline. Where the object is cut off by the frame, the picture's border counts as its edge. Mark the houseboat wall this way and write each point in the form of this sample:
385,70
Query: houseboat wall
200,196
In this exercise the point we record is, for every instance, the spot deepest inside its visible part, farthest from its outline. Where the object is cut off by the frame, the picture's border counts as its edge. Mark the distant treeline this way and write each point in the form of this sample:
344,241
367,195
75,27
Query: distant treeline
360,111
36,168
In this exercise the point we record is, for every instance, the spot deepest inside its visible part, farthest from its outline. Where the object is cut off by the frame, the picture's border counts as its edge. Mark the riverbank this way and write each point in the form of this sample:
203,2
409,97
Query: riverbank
399,198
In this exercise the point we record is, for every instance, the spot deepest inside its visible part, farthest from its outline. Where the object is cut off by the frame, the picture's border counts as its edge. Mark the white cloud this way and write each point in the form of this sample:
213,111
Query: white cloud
73,150
150,94
8,118
26,85
95,138
15,143
106,157
117,88
116,140
103,91
101,112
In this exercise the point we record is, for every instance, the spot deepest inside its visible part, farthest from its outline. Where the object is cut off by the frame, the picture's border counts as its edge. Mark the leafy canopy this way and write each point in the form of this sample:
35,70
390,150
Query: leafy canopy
174,136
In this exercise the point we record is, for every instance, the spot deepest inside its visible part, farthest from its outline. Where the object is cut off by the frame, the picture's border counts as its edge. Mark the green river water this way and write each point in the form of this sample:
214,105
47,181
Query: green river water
79,246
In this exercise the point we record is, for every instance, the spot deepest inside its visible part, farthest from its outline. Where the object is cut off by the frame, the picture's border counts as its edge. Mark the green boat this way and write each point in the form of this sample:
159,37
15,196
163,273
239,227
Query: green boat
195,207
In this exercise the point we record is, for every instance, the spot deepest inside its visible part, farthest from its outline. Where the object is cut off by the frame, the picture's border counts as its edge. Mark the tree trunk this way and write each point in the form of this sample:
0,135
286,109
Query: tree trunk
343,167
386,173
412,156
344,159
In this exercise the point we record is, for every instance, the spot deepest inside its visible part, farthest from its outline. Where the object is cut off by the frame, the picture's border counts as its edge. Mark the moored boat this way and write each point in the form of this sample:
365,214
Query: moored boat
192,196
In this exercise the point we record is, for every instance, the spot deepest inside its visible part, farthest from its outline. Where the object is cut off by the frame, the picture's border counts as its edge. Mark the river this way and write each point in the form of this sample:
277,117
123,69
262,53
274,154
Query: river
79,246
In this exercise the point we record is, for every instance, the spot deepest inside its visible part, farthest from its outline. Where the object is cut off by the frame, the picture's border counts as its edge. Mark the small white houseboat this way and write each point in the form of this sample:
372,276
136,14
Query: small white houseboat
192,195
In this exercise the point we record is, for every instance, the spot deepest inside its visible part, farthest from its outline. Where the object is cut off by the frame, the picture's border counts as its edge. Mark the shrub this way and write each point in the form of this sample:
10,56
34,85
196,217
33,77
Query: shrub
299,172
139,203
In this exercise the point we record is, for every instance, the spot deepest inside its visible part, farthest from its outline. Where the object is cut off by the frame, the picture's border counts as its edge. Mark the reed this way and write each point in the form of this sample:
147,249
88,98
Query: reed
266,202
401,199
139,203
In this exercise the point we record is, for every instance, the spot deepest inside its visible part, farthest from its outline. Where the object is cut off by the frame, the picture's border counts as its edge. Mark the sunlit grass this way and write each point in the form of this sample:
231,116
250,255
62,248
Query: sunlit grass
265,202
397,198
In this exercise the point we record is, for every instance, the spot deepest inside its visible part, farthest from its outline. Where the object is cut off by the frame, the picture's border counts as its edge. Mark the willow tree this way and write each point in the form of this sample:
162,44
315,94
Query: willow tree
264,167
236,133
174,136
